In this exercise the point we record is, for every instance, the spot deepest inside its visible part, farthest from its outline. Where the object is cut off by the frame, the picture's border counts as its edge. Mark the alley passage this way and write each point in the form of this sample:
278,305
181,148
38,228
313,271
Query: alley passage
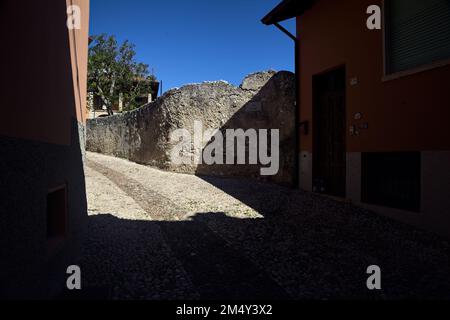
161,235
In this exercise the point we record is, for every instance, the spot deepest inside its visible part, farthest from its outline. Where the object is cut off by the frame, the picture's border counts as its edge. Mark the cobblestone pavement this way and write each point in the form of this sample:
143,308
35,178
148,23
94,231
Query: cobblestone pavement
162,235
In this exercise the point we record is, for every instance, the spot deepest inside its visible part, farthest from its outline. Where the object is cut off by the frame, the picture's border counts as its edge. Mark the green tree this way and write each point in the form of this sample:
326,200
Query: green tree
113,71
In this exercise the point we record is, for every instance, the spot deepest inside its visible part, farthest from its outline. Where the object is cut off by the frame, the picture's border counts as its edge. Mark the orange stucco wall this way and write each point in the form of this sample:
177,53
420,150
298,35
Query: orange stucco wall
79,57
28,36
406,114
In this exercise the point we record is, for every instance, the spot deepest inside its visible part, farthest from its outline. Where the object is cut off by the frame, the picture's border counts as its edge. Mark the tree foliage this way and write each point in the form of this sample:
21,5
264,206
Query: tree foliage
113,72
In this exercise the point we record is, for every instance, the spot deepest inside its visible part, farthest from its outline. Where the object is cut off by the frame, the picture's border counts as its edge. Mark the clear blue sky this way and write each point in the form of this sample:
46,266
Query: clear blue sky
198,40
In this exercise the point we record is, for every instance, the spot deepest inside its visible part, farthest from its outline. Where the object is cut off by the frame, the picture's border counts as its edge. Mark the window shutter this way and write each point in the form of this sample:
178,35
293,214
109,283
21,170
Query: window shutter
418,33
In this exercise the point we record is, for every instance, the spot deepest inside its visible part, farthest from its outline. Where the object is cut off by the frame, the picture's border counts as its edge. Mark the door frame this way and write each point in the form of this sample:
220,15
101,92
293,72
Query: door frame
315,124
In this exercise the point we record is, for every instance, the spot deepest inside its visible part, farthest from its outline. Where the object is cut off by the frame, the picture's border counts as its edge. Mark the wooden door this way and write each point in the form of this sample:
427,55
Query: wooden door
329,154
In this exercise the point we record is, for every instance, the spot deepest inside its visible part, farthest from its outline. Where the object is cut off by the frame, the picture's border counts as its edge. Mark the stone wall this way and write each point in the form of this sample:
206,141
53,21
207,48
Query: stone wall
264,100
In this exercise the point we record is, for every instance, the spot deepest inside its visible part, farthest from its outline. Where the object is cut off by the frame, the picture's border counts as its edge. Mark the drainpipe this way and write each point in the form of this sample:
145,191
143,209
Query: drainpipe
297,104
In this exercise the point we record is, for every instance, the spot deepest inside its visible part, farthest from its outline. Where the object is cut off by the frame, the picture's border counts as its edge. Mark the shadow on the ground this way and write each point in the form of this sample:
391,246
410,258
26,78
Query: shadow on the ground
213,256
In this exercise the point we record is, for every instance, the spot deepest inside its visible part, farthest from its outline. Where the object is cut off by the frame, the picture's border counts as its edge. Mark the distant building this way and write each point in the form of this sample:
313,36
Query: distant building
97,108
43,202
374,105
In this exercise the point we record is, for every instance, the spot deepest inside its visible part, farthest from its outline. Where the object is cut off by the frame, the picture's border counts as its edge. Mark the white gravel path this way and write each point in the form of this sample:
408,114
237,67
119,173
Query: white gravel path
191,193
104,196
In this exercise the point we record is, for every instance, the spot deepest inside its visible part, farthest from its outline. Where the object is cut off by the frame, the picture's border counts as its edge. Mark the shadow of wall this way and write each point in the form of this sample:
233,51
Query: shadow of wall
213,256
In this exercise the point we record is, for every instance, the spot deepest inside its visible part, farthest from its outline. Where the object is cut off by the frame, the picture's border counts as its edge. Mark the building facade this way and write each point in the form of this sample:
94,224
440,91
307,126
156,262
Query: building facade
377,104
42,133
97,109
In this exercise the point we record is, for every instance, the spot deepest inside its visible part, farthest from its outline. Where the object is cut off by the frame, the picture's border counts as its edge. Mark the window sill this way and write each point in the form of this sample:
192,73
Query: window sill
410,72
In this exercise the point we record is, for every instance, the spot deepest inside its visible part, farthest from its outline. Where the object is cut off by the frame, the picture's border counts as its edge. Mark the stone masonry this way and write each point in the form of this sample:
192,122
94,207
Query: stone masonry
264,100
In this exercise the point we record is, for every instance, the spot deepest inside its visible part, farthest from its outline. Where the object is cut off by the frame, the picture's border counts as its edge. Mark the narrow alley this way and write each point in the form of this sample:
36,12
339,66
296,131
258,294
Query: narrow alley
161,235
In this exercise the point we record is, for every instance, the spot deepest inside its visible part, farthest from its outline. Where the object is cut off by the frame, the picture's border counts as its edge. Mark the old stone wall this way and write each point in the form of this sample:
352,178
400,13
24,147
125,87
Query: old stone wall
264,100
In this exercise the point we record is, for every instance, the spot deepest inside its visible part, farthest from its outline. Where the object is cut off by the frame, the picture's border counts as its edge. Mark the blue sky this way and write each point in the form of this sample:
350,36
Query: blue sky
198,40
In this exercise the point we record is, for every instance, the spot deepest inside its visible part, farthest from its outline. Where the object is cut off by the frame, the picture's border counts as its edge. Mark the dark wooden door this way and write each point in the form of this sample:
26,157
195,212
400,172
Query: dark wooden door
329,154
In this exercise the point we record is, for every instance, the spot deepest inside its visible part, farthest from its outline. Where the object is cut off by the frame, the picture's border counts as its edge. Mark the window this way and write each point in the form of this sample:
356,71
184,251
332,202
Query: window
392,179
56,213
417,33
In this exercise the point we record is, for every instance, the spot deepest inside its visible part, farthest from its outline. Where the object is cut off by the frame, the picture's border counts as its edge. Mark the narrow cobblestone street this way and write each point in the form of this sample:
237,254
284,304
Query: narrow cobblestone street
161,235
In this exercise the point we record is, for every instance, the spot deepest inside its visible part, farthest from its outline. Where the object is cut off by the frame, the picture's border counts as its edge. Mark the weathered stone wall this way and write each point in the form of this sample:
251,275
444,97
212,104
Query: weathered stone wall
264,100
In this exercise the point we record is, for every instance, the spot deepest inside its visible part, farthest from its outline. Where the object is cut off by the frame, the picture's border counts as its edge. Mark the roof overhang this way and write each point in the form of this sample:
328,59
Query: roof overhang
287,9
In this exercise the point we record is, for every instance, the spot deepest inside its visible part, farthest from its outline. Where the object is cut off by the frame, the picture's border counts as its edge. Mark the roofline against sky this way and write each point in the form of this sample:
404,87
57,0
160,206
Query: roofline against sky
287,9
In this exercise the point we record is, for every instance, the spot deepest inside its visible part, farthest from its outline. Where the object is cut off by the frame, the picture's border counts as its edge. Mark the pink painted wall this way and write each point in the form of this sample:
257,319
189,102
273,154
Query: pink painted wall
28,112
